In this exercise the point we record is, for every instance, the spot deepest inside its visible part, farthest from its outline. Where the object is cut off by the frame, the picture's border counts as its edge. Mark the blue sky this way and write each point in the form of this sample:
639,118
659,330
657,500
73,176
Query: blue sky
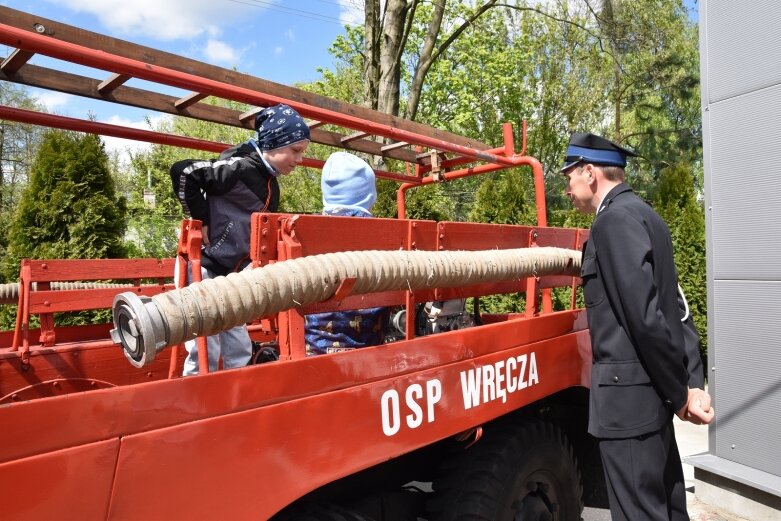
284,41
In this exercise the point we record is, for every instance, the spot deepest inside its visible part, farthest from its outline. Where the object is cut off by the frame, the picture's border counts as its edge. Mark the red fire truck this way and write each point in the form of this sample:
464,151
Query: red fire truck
483,419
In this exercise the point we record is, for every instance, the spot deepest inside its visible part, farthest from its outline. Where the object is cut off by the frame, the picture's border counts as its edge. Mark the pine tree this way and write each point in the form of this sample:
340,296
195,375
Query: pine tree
507,198
69,208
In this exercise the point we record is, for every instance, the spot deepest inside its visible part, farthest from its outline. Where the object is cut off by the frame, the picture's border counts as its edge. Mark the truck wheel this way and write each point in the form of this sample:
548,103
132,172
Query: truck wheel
319,512
523,469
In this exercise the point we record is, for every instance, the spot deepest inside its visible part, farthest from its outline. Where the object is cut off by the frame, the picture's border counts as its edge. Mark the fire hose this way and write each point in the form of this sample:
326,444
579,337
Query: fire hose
145,326
9,293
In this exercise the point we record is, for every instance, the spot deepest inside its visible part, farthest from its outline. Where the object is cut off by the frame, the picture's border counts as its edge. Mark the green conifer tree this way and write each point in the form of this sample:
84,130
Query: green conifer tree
69,208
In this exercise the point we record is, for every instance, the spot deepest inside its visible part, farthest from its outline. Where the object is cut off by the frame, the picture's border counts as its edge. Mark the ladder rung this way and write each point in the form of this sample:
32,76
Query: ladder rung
427,155
114,81
250,115
190,99
353,137
15,61
394,146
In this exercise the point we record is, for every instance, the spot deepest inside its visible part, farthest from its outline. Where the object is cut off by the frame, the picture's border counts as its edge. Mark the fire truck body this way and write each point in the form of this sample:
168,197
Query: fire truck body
87,436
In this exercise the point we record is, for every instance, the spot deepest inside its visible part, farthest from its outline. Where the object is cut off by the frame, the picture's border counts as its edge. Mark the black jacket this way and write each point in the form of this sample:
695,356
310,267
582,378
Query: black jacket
644,357
223,193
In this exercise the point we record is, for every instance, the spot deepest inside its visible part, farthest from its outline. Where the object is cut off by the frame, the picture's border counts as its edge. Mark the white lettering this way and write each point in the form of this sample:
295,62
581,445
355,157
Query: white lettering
416,418
521,381
499,380
534,378
433,395
470,388
512,384
415,405
500,390
389,403
489,391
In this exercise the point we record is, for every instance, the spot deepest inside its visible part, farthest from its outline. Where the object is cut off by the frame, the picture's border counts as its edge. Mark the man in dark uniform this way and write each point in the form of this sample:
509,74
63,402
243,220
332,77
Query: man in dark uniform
645,361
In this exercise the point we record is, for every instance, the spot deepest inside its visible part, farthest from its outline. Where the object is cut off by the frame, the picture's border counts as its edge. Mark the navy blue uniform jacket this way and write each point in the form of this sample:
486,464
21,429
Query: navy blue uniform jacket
644,357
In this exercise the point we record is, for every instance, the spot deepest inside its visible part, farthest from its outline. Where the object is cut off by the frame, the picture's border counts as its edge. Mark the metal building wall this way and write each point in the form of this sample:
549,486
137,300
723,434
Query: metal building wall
740,45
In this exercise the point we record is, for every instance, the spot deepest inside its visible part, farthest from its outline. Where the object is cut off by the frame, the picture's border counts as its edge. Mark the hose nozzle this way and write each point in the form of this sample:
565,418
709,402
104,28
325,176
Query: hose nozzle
138,327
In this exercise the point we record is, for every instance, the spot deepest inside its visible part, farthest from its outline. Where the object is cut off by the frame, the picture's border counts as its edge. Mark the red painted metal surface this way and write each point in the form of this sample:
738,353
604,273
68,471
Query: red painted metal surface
73,483
36,297
99,360
226,430
105,129
301,422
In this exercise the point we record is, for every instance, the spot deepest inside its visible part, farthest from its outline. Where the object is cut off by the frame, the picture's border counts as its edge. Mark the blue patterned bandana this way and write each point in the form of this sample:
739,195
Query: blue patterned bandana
280,126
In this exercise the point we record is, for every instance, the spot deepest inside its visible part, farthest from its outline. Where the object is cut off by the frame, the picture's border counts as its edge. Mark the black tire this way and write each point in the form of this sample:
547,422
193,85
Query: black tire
523,469
319,512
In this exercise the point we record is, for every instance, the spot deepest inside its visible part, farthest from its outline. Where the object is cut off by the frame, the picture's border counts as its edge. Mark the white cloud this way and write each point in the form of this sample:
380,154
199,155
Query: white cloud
163,20
351,12
290,35
220,52
126,147
278,50
52,99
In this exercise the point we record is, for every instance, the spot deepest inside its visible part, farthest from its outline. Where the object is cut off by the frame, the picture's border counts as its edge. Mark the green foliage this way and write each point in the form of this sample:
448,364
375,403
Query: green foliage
69,208
506,198
346,81
655,84
18,142
631,70
628,70
429,202
300,192
509,303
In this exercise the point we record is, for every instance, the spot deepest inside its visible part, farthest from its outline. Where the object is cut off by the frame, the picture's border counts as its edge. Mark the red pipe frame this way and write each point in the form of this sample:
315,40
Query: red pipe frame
74,53
149,136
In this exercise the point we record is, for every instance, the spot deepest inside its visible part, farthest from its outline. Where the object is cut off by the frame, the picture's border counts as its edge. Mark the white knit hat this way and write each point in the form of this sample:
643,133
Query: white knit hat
347,181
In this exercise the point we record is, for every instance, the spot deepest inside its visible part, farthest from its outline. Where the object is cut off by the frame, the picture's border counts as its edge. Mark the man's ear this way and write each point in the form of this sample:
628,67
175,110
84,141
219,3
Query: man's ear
591,173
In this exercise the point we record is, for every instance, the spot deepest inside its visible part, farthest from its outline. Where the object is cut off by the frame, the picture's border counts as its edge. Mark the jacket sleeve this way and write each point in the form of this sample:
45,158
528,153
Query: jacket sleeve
625,257
691,344
193,179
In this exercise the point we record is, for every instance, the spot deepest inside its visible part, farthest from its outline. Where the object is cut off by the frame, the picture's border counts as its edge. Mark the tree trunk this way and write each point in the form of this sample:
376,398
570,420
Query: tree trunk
371,51
429,55
384,41
426,59
611,28
391,47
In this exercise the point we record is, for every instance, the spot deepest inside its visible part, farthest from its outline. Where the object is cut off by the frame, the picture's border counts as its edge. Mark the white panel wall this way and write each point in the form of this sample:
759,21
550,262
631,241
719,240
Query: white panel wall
743,46
748,361
745,184
740,46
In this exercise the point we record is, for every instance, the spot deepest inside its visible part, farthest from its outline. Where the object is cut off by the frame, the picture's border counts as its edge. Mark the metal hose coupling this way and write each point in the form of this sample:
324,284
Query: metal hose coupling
139,328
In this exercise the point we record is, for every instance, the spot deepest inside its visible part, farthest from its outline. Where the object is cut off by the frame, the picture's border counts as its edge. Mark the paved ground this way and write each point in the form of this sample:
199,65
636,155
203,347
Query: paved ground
692,439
